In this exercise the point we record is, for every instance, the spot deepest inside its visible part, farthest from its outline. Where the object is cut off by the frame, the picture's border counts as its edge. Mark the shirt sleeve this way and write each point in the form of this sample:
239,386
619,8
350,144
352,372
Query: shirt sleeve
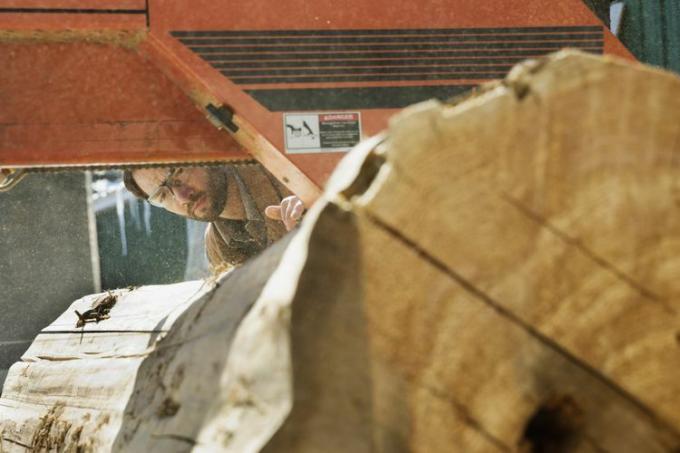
221,256
228,244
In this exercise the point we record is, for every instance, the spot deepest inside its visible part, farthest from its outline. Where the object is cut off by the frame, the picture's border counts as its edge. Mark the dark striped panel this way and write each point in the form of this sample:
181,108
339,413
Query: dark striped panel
405,31
370,78
370,74
394,39
283,100
480,55
236,74
390,47
334,50
272,57
230,64
306,56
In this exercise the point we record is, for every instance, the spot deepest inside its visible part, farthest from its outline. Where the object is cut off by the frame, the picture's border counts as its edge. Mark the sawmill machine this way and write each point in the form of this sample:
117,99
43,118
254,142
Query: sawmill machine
294,85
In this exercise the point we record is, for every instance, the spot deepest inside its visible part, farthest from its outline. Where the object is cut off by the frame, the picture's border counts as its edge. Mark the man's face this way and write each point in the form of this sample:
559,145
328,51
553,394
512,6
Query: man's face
196,192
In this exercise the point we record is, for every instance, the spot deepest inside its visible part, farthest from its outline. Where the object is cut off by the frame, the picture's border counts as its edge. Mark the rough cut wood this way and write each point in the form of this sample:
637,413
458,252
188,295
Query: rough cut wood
500,274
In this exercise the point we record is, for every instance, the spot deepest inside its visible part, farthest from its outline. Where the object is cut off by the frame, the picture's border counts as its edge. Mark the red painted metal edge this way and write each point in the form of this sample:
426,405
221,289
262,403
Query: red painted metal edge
246,135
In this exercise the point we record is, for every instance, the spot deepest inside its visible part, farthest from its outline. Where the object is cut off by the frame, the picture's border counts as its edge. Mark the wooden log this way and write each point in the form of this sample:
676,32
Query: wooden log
498,274
157,375
518,256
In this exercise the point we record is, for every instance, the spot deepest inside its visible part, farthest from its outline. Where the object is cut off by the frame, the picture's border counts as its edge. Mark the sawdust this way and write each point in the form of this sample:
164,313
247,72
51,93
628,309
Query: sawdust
168,408
518,80
55,434
102,420
201,97
177,378
125,39
100,310
51,432
88,444
473,93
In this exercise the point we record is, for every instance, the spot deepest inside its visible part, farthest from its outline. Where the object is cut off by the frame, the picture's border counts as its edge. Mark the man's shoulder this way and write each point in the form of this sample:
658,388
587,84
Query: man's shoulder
262,185
210,235
216,231
219,227
220,249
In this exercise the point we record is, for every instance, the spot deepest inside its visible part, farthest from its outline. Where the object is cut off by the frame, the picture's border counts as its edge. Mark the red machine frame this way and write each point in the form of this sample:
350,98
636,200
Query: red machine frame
117,82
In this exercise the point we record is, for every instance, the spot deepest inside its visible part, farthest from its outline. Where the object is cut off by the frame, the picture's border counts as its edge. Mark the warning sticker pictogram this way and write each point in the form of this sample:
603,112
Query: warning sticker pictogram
321,132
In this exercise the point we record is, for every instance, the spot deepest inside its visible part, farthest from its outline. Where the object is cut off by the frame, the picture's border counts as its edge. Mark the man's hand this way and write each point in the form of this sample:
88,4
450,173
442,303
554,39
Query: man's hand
289,211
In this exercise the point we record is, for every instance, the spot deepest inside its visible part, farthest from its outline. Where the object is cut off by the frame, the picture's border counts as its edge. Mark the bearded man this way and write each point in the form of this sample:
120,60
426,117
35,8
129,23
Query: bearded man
232,198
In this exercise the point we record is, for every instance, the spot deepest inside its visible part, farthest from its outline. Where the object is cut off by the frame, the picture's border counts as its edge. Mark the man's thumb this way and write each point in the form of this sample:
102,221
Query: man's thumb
273,212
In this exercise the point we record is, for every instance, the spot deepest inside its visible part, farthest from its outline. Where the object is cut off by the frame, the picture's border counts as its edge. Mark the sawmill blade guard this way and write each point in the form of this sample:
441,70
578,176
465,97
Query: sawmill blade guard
295,84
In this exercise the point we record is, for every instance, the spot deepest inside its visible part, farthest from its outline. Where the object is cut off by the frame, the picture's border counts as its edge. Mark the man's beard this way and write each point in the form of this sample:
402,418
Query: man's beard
215,194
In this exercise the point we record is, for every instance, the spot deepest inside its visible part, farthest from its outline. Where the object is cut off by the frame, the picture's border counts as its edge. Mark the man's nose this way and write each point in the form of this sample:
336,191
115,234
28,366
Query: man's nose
183,193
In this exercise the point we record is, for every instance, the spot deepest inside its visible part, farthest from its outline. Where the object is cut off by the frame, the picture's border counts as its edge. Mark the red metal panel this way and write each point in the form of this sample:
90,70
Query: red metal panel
78,103
204,96
73,14
360,14
272,18
244,61
72,21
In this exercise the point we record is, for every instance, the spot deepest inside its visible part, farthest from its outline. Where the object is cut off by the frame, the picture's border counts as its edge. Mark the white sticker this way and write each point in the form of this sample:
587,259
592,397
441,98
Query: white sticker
321,132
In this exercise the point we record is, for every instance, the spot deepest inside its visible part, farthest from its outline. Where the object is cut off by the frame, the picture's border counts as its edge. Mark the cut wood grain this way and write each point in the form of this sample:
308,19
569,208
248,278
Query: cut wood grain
519,271
561,207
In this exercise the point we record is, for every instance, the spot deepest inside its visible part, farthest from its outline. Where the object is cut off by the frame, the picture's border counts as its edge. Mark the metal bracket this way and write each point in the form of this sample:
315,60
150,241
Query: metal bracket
221,117
10,178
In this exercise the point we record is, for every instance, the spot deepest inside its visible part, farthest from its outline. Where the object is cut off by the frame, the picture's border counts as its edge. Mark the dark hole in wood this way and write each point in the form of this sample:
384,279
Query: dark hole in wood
369,170
555,427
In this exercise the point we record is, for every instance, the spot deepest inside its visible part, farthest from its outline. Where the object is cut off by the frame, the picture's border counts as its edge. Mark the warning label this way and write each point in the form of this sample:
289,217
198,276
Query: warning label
321,132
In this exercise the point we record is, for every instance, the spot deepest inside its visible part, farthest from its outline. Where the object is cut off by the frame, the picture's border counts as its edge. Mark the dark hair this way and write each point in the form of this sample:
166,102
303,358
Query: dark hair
132,186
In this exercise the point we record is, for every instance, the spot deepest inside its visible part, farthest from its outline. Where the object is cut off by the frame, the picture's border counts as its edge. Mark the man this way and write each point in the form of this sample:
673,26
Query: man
232,198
